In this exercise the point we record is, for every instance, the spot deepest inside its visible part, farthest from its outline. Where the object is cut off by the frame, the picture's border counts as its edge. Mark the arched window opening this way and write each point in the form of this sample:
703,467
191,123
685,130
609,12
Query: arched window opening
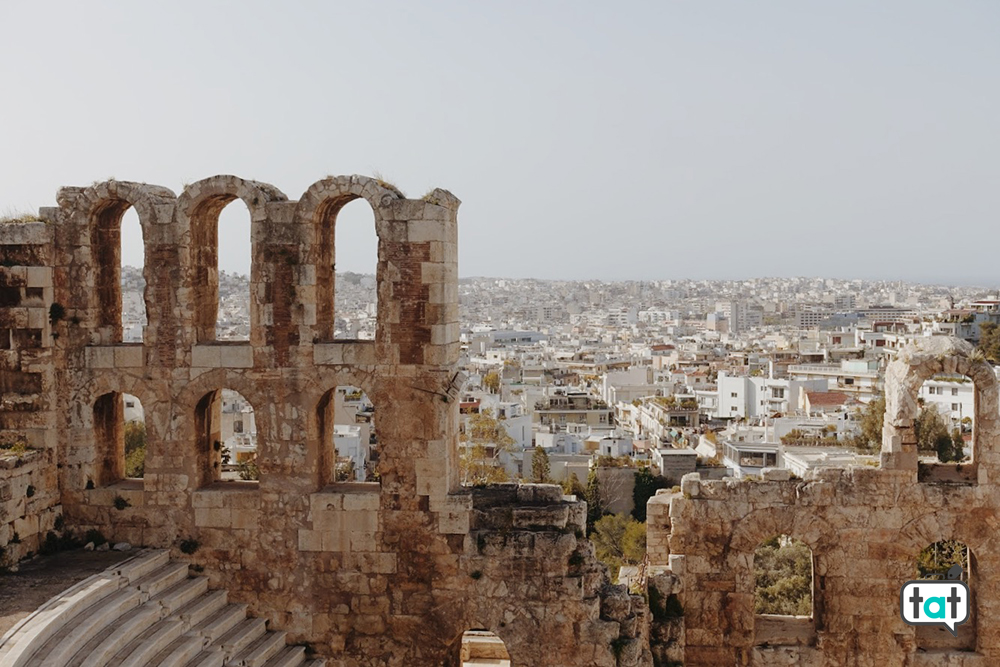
479,648
234,271
227,433
783,592
133,282
119,439
350,441
106,253
355,264
933,563
944,425
109,440
134,437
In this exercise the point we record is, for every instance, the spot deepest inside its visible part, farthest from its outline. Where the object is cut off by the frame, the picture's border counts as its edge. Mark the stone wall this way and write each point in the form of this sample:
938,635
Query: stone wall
29,505
29,493
865,527
387,573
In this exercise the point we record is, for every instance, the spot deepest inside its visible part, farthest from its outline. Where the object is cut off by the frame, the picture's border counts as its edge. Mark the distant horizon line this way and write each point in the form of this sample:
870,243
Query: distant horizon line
905,281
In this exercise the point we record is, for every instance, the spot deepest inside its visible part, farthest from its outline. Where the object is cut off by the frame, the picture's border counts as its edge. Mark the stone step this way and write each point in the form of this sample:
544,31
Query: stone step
147,612
221,622
243,635
181,594
258,653
161,579
202,608
21,641
179,652
84,627
214,658
140,651
134,569
133,624
290,656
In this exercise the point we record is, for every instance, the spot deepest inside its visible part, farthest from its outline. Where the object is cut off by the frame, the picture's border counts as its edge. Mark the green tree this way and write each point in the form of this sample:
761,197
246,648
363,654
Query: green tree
249,470
491,381
872,417
646,485
595,500
783,577
485,440
573,487
619,540
951,449
989,341
135,448
936,559
931,431
541,469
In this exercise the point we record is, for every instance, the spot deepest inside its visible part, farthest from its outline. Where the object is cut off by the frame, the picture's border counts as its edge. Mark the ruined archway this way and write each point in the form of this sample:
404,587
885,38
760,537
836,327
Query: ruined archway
227,438
320,205
479,648
346,421
914,365
933,563
109,443
103,206
199,206
783,592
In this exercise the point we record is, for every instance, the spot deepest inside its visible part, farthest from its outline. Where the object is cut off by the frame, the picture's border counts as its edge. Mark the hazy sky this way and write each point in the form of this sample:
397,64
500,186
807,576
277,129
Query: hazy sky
614,140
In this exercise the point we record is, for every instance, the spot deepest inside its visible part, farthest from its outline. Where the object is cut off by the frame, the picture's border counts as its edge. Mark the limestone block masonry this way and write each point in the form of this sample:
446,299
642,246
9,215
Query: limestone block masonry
865,527
389,573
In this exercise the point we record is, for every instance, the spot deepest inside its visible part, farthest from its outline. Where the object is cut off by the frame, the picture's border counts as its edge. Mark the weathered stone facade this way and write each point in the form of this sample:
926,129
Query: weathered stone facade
388,573
393,572
865,527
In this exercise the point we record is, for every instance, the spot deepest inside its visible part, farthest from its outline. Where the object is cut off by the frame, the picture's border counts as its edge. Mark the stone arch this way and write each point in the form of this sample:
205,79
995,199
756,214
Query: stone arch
918,362
198,209
765,523
459,647
319,207
195,405
931,638
319,463
323,426
106,420
950,524
752,531
102,206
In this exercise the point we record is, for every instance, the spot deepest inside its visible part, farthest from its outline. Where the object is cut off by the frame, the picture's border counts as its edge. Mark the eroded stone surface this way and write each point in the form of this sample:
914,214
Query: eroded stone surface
385,574
865,527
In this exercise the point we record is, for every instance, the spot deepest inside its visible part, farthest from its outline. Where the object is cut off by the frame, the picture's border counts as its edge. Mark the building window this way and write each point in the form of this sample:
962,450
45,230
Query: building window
954,391
733,395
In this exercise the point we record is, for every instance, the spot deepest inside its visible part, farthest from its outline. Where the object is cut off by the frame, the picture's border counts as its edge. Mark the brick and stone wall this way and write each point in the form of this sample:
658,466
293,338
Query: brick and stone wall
865,527
29,492
386,573
29,505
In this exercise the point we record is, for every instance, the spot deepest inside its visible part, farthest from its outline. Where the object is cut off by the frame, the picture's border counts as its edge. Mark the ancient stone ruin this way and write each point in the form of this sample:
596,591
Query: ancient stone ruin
865,527
393,572
380,573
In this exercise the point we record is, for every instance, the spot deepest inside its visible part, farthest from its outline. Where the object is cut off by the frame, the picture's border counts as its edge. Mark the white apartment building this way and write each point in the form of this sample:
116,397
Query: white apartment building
857,377
350,445
954,397
745,397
